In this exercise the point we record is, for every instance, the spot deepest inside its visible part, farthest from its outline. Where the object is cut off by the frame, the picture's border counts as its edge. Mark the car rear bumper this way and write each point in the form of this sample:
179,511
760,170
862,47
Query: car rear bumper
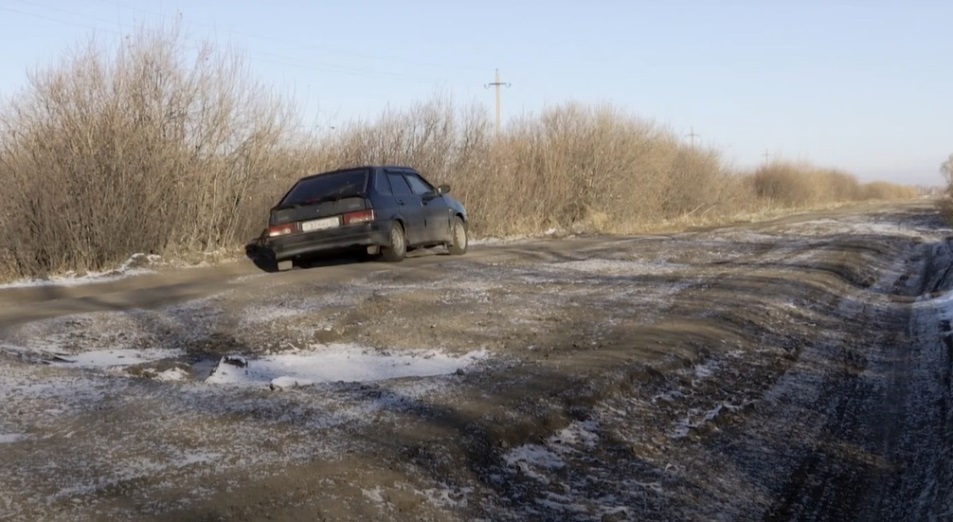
321,241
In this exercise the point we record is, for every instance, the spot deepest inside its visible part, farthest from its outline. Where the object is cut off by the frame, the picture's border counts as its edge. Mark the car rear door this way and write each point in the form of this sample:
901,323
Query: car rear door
409,206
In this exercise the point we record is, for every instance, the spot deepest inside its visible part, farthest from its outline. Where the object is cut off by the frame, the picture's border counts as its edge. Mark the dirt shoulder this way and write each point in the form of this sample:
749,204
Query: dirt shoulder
792,369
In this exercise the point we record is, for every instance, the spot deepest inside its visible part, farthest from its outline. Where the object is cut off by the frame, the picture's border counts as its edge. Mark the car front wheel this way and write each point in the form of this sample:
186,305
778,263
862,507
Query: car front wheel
397,248
458,237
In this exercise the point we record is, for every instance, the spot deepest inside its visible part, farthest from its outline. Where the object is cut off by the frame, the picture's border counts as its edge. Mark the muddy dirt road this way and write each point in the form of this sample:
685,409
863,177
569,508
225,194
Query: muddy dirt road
800,369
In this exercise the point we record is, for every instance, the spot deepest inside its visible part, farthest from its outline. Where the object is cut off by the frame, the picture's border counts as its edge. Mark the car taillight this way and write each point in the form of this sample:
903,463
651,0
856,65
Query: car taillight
282,230
362,216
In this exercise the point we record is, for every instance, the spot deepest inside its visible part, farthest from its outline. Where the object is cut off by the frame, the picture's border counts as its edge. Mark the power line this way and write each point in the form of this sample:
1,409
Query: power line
256,56
91,21
58,20
303,45
497,84
274,59
73,14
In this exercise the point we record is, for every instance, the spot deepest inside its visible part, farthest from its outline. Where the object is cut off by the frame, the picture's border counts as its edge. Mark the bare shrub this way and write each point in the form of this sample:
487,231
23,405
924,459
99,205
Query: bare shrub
591,168
783,184
884,191
800,185
843,186
146,148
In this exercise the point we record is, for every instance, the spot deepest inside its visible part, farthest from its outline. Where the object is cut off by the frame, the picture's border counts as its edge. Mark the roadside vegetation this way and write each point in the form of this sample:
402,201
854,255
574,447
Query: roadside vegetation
154,146
946,168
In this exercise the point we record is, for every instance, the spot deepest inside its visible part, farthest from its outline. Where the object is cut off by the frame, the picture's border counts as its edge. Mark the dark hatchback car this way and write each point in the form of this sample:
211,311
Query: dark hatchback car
385,210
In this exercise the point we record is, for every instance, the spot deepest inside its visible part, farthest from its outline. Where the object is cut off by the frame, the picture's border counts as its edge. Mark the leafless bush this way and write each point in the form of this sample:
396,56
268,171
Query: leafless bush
884,191
602,169
783,184
841,186
147,148
799,185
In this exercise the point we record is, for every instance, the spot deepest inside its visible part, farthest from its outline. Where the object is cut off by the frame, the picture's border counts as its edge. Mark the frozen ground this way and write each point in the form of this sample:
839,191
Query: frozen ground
797,369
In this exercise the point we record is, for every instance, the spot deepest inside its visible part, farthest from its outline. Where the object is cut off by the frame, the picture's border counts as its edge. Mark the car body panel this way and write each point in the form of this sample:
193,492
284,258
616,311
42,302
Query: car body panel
363,235
318,210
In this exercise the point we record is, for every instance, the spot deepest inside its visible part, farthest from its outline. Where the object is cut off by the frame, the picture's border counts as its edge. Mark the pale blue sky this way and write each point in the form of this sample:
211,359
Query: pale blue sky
860,85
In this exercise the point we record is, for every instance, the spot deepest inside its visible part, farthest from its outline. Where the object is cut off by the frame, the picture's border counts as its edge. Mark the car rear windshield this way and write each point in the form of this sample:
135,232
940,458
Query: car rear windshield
336,185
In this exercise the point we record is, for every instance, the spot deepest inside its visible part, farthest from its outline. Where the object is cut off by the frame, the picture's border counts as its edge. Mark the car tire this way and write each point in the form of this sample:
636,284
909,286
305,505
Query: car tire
459,239
397,248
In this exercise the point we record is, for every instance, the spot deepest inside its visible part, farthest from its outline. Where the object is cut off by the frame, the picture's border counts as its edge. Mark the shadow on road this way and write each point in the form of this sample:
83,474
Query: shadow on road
265,261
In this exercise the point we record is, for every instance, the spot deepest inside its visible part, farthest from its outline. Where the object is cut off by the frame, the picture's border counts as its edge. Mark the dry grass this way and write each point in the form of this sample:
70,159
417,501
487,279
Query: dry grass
156,148
883,191
789,185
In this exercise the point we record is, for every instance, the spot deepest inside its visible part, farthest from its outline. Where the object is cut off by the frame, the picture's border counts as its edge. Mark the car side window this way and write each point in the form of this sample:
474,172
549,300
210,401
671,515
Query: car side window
418,185
383,186
399,184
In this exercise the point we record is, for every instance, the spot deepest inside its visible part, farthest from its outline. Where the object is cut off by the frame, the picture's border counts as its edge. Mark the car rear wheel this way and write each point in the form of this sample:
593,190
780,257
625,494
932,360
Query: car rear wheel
398,244
458,237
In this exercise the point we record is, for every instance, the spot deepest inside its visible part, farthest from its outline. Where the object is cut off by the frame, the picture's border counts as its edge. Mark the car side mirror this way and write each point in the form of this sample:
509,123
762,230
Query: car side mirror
443,189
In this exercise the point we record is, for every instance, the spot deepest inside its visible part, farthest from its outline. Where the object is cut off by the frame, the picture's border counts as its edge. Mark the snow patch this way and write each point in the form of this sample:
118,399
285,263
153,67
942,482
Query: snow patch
197,457
552,232
131,267
448,497
576,434
498,240
539,460
865,226
172,375
10,438
562,503
535,461
704,371
612,266
697,419
374,495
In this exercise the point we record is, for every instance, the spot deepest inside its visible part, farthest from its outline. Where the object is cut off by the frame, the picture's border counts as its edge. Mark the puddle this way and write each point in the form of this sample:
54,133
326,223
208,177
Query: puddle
116,358
336,363
321,364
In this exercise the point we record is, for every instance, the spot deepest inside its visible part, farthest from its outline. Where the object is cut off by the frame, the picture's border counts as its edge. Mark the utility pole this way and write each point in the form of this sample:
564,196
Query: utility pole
691,136
497,84
766,155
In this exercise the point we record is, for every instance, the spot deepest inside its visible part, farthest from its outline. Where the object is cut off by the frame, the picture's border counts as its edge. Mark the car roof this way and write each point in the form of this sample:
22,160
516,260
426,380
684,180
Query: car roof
361,167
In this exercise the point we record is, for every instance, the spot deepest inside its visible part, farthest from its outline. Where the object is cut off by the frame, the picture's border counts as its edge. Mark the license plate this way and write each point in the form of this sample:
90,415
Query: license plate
320,224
